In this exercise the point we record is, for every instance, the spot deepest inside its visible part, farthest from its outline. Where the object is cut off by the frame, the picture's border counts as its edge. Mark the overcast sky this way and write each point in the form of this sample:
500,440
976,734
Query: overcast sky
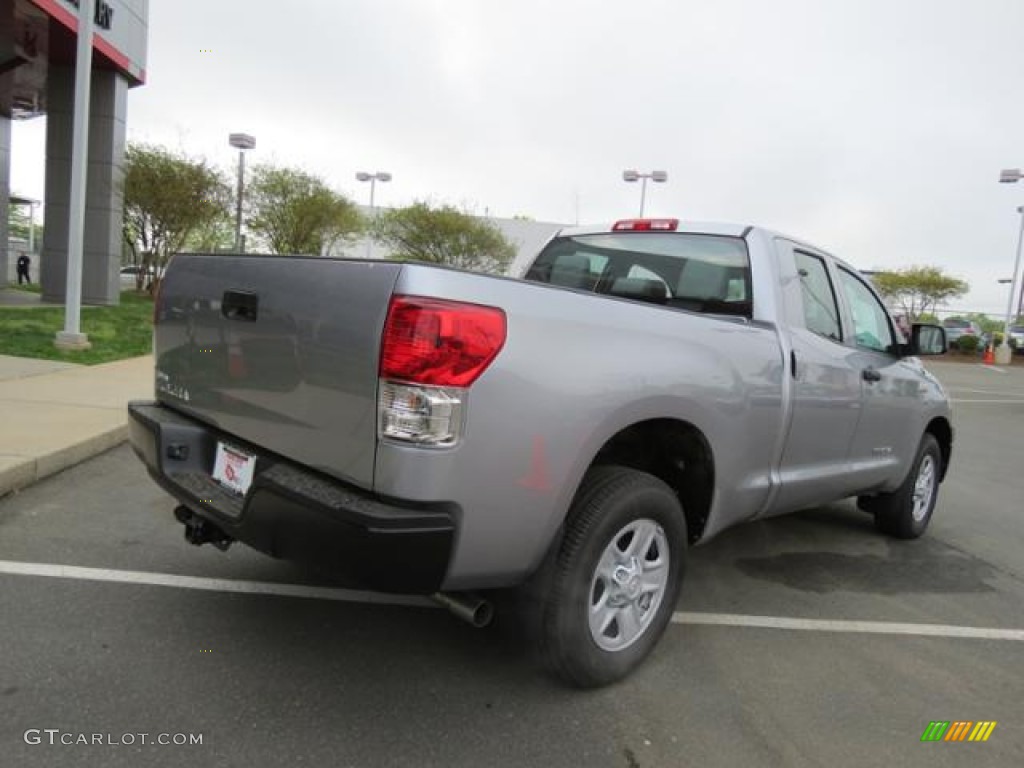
875,129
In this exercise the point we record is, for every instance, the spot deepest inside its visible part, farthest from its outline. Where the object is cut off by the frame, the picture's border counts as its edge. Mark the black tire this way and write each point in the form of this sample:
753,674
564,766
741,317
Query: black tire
895,512
612,506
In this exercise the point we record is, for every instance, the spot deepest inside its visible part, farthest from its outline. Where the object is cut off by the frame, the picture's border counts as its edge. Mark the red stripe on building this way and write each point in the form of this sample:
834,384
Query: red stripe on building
60,12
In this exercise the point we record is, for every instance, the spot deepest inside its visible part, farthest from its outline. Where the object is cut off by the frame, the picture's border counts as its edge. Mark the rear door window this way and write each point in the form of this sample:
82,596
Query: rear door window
821,310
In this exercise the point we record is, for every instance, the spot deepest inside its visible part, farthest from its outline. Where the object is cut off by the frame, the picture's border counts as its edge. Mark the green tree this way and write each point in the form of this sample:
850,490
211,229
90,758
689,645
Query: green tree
213,236
918,290
444,235
18,224
296,212
168,197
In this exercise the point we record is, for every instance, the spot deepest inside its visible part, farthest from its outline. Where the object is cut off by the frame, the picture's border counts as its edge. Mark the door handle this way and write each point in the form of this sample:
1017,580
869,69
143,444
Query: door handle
240,305
870,374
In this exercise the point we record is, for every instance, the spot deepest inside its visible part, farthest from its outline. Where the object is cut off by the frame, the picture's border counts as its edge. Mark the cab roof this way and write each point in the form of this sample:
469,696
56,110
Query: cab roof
683,226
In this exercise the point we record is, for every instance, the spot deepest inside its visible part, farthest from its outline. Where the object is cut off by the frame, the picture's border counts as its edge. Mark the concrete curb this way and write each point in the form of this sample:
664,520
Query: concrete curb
26,473
58,419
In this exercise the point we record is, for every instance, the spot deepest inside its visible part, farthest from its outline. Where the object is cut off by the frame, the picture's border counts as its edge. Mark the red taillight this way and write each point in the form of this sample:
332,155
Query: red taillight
645,225
440,343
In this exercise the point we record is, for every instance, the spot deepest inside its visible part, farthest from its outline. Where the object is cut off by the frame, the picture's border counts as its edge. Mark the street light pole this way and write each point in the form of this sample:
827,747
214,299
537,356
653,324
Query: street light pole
1003,351
238,200
242,142
658,177
373,178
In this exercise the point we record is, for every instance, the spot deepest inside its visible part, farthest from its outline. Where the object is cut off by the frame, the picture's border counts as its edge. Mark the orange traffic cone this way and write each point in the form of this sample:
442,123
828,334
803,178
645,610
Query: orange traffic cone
989,357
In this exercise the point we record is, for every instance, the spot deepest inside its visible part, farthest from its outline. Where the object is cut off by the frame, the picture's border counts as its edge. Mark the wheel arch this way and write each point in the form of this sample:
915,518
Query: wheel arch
942,431
676,452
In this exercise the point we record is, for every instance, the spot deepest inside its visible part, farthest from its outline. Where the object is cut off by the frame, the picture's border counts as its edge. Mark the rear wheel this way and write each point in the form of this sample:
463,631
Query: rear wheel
609,588
906,512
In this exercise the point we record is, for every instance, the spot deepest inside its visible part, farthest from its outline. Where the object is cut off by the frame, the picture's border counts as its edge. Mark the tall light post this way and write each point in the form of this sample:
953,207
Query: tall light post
241,142
659,177
72,337
1003,351
373,178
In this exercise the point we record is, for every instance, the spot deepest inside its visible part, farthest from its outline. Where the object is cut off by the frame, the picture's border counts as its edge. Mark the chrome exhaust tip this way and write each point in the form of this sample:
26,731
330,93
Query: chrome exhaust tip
471,608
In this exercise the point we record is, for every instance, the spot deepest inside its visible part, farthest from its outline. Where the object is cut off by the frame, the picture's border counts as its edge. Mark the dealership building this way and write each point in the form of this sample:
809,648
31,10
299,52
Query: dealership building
38,40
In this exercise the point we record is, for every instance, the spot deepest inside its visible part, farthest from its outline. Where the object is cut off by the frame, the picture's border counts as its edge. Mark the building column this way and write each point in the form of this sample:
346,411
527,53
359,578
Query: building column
101,258
5,193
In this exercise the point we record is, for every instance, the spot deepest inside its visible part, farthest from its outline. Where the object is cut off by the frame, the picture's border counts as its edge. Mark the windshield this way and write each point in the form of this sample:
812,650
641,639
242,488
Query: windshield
699,273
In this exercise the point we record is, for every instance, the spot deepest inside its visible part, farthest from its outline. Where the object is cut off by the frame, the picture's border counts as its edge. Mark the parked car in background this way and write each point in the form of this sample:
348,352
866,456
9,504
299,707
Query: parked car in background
130,275
957,327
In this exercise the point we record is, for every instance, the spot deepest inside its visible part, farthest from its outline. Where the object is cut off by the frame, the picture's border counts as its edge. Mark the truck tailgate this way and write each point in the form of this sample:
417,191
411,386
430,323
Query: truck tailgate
280,351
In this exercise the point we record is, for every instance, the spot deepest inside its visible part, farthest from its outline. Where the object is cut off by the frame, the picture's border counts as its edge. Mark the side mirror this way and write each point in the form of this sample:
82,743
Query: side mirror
927,340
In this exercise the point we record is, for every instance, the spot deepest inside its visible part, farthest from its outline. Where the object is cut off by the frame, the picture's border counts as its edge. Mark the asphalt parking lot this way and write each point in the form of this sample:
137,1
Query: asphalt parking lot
92,644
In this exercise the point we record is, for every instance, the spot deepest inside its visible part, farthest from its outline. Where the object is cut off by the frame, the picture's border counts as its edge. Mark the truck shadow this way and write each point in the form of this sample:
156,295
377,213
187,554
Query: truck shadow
837,548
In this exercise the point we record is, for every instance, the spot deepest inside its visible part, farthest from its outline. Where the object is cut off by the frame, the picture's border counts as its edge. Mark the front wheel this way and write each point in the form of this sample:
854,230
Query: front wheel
610,587
906,512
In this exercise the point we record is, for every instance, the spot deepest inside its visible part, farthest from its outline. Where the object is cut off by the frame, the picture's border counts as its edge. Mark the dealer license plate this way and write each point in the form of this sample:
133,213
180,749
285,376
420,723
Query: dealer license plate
233,469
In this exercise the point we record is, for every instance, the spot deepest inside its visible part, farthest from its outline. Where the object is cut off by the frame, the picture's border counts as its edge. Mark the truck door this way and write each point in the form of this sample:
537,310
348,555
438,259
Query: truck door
825,396
886,436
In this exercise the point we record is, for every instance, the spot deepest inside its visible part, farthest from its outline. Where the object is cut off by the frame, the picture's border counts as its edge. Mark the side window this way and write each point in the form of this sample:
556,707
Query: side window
870,320
821,311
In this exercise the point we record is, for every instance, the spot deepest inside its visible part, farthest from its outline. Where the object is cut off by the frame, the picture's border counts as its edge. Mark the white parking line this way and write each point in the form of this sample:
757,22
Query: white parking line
1004,400
986,391
208,584
15,568
832,625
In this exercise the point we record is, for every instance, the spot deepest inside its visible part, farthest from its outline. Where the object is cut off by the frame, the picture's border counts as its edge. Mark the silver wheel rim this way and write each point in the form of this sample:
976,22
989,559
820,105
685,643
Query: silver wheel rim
924,488
629,584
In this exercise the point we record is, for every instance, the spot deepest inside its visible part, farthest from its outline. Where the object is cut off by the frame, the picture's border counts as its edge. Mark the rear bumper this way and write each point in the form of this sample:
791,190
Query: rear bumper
294,513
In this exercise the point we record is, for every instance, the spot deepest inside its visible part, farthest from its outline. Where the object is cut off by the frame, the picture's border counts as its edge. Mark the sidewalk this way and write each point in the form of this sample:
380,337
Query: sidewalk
10,297
55,415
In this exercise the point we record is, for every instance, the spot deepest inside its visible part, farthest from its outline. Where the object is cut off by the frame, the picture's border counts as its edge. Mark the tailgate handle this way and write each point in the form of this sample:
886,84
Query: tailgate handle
240,305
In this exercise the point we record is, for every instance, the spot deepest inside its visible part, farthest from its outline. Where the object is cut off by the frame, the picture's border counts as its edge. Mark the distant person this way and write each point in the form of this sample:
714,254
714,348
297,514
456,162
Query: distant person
23,264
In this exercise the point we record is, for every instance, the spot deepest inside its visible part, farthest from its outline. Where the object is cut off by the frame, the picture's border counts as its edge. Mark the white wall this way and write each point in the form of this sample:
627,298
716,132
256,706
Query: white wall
527,236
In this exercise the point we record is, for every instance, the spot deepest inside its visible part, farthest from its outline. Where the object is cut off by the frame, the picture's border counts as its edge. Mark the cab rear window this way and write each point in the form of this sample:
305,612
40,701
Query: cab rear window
699,273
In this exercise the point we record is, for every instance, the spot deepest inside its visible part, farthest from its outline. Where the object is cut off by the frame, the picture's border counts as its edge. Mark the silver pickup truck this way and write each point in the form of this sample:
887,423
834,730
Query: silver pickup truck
645,386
